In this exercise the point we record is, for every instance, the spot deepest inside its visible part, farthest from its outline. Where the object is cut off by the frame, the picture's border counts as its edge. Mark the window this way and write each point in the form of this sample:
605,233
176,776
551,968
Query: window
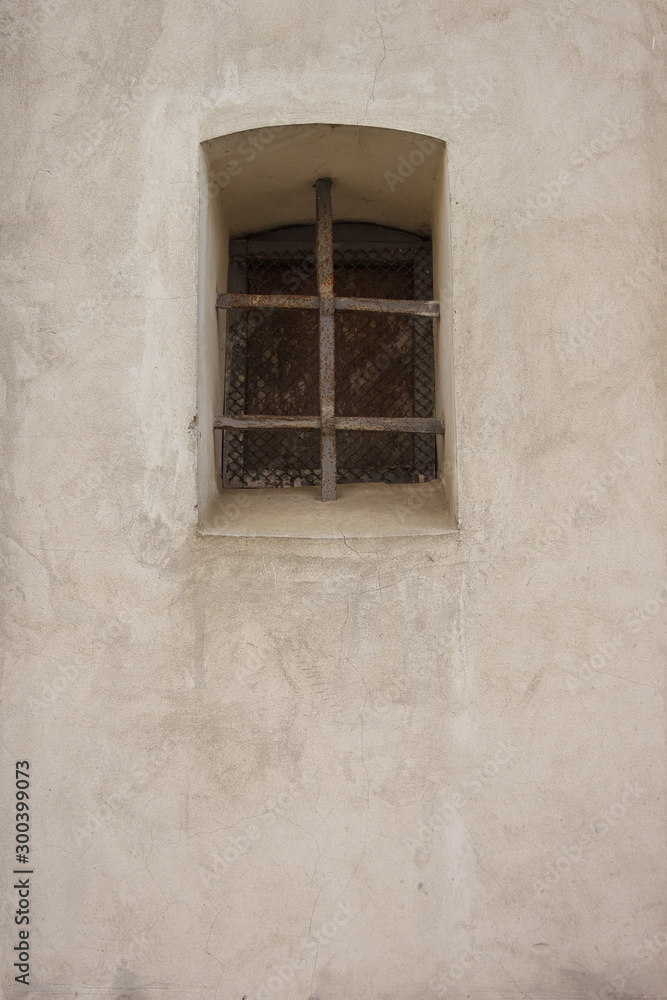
329,374
325,334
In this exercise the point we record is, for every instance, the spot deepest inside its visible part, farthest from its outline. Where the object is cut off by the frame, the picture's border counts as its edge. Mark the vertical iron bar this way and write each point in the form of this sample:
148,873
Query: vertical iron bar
324,244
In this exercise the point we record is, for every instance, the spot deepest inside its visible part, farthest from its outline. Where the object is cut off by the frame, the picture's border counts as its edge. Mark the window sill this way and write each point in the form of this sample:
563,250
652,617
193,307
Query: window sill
372,510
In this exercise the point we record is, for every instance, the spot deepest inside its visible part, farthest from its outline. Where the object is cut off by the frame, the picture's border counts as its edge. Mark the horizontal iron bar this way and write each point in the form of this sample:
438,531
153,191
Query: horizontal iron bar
242,422
239,300
406,306
411,425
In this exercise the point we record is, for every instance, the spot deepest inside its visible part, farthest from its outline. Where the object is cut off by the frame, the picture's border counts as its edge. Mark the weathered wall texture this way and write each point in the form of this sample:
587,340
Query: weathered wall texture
381,768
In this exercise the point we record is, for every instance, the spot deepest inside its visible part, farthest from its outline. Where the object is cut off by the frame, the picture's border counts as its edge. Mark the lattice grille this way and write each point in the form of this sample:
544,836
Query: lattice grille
383,367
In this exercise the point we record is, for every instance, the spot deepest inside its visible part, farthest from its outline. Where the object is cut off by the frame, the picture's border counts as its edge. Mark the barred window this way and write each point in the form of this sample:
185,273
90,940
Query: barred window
329,357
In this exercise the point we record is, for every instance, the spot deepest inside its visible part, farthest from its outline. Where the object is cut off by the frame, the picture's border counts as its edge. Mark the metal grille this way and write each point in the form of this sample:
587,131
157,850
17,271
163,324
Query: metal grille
335,374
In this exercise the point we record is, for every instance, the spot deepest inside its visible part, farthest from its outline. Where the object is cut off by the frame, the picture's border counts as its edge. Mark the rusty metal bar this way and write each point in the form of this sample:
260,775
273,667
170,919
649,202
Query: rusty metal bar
324,251
406,306
243,421
413,425
240,300
410,425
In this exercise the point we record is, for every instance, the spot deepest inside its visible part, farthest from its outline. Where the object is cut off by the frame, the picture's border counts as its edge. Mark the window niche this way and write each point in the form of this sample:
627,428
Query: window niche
263,360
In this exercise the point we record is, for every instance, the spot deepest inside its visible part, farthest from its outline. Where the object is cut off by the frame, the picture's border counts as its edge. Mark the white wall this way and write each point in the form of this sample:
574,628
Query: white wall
318,701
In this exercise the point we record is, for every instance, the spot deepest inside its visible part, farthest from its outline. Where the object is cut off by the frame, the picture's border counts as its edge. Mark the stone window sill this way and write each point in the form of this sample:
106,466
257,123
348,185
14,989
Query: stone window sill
372,510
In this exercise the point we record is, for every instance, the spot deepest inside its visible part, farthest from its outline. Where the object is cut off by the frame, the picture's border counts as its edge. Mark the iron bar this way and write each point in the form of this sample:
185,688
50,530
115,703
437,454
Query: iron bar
409,425
413,425
241,300
325,277
405,306
243,422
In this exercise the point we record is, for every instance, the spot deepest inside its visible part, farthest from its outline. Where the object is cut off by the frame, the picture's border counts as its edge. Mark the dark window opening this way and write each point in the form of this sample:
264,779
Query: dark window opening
337,379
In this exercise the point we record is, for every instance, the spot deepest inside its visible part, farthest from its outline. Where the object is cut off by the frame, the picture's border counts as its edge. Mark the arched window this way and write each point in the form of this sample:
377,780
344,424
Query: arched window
328,376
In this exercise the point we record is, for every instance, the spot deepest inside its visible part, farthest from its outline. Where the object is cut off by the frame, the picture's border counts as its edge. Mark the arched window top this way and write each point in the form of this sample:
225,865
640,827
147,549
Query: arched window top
381,176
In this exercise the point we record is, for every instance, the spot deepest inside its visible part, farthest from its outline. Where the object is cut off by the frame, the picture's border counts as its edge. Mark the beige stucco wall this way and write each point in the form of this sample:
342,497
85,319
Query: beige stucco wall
427,766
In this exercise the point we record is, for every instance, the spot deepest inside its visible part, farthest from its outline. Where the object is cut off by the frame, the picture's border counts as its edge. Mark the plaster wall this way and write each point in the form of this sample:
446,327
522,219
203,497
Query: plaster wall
329,767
